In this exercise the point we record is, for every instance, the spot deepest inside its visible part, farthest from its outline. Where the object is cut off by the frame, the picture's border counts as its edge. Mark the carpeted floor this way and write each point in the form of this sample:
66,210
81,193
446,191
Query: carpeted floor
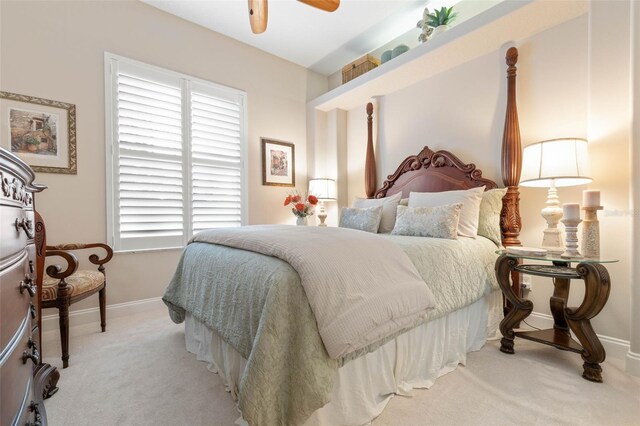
139,373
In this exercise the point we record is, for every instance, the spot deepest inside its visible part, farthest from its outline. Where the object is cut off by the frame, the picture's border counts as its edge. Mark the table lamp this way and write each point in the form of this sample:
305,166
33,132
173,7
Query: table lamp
551,164
325,190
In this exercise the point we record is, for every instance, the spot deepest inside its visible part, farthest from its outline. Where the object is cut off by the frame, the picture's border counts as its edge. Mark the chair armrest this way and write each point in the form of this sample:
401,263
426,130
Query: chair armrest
79,246
55,271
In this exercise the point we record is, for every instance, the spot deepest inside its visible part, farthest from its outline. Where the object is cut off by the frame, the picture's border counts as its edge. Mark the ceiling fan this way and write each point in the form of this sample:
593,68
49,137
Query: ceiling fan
258,11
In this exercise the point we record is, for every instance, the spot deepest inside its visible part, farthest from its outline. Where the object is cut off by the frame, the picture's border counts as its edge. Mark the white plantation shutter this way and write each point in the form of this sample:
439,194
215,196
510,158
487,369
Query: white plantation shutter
176,156
216,160
150,171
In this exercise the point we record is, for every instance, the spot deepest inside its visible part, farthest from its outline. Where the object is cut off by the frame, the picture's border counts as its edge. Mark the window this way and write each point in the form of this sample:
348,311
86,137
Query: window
175,151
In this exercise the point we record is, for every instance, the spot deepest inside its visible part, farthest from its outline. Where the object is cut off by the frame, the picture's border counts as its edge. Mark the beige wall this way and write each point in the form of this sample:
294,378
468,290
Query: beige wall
55,50
462,111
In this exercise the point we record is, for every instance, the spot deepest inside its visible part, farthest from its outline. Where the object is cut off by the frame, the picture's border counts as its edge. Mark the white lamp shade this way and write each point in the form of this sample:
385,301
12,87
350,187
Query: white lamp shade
564,162
324,189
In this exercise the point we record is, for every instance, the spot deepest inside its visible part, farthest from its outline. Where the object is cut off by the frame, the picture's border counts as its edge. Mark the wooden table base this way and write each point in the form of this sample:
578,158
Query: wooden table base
566,319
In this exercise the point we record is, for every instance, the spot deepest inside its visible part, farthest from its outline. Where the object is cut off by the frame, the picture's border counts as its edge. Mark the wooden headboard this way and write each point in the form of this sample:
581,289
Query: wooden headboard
430,171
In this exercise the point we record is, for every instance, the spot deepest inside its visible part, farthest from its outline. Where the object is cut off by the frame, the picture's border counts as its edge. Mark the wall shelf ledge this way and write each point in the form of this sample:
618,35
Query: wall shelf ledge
499,26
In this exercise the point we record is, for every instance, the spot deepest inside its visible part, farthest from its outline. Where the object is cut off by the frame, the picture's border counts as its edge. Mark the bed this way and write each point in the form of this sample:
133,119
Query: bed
251,316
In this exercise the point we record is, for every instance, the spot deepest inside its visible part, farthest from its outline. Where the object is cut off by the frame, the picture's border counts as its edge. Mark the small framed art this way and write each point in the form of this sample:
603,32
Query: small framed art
278,163
40,131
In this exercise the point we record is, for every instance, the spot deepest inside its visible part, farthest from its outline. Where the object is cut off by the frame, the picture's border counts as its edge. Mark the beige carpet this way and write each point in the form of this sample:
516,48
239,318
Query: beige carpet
138,373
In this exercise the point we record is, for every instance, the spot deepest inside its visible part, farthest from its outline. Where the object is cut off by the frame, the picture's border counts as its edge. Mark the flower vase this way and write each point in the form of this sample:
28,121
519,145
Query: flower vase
302,221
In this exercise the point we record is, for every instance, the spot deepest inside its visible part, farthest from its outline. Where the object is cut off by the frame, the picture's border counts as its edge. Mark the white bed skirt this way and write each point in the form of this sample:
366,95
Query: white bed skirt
365,385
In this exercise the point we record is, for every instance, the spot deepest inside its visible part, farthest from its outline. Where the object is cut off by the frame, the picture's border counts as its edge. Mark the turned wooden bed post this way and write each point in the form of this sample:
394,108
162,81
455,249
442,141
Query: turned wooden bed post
370,160
510,222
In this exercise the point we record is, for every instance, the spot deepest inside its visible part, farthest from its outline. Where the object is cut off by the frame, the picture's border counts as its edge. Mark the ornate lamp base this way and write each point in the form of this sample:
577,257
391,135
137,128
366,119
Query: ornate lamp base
322,214
552,241
552,213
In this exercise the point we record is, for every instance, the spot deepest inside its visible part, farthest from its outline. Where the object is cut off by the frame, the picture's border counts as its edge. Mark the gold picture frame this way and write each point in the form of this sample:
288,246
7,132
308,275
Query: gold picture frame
42,132
278,163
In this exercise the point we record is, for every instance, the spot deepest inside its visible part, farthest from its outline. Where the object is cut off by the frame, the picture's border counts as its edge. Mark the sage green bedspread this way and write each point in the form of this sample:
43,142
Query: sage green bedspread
257,304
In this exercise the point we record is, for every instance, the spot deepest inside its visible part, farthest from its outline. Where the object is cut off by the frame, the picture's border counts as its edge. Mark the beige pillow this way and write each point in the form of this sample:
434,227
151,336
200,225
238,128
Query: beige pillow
470,200
436,222
367,219
489,221
389,205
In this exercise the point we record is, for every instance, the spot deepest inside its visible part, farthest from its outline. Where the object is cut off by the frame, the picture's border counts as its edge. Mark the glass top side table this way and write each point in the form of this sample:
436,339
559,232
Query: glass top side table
566,319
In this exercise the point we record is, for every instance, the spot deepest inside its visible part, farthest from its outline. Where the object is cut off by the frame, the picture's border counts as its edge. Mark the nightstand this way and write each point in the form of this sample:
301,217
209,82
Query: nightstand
566,319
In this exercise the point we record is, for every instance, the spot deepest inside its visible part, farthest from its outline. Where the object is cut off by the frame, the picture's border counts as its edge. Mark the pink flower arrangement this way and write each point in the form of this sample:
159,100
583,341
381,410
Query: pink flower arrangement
301,207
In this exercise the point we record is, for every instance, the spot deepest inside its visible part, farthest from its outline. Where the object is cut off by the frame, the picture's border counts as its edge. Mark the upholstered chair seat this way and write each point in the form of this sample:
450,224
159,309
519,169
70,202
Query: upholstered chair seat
78,283
63,284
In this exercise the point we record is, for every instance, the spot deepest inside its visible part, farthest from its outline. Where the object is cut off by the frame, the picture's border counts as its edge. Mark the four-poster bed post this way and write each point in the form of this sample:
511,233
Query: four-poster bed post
370,160
511,159
511,162
510,222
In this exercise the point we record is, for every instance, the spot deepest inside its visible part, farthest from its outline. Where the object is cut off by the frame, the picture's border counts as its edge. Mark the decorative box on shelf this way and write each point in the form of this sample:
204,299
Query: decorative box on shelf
359,67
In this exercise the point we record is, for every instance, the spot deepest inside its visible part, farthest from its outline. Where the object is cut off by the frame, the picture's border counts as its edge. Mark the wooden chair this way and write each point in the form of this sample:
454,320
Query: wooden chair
61,288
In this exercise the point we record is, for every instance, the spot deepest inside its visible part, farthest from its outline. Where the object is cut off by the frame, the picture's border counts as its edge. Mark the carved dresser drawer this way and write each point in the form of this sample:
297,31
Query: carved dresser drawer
16,228
17,295
16,373
24,380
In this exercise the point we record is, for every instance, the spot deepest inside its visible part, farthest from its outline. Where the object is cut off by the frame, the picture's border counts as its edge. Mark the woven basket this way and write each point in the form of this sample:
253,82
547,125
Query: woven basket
359,67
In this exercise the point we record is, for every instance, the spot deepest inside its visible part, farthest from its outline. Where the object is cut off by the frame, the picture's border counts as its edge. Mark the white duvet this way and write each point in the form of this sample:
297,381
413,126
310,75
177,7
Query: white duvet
361,288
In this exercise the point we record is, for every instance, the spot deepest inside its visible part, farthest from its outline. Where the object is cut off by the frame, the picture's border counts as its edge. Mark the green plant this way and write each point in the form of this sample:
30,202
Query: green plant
31,140
444,16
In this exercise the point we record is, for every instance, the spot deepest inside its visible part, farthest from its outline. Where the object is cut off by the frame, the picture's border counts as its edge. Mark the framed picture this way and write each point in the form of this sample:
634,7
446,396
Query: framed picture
278,163
41,132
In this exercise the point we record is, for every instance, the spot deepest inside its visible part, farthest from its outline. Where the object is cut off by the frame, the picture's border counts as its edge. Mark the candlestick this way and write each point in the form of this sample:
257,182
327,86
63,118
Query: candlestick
591,198
591,232
571,211
571,228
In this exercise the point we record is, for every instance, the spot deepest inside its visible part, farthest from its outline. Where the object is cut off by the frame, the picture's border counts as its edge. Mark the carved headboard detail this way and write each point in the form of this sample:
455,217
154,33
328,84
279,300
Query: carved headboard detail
433,171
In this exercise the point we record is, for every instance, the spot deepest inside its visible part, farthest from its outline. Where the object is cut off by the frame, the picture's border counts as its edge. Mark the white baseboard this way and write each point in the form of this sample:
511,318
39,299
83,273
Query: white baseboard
615,348
632,364
92,315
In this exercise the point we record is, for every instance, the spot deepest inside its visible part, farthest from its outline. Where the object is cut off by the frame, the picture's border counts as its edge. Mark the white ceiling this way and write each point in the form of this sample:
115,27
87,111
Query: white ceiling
323,42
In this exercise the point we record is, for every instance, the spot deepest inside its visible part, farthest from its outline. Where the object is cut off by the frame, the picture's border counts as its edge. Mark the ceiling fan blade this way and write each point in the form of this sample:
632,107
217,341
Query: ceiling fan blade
258,15
326,5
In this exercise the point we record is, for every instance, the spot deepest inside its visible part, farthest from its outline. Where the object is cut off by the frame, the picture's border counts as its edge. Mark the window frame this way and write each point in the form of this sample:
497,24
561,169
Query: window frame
112,64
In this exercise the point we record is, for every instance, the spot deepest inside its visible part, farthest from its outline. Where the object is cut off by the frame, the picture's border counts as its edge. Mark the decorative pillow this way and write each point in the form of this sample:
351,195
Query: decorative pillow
489,223
436,222
367,219
389,206
470,199
404,202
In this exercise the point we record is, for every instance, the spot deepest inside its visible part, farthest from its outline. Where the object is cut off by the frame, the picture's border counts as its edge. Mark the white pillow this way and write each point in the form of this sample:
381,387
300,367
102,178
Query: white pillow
490,208
469,214
389,206
436,222
366,220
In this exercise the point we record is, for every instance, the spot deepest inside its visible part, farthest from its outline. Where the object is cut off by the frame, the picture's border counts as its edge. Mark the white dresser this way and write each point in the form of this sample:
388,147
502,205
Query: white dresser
24,380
